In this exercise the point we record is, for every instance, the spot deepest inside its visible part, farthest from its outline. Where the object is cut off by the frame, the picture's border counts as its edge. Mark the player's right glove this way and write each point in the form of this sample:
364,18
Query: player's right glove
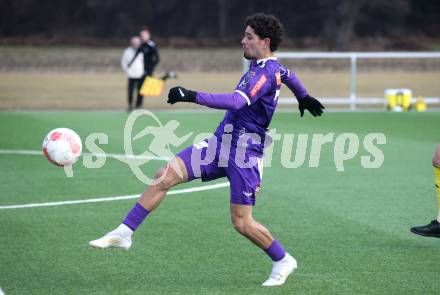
179,93
311,104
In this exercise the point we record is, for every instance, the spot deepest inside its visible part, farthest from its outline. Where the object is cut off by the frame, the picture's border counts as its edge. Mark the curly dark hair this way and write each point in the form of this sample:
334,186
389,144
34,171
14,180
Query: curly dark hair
266,26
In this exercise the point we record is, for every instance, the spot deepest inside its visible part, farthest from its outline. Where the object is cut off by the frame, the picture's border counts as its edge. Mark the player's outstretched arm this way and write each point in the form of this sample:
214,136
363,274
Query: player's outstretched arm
230,101
305,101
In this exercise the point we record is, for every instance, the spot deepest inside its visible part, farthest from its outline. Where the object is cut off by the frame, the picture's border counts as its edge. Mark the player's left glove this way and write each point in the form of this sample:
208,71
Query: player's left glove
312,105
179,93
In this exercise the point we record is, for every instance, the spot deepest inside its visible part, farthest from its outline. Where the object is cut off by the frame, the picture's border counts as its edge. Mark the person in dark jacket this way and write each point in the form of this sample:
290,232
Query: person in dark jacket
151,58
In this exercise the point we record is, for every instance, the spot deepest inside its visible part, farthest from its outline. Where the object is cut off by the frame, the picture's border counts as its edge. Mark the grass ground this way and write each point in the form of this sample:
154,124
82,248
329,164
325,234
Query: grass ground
349,230
85,91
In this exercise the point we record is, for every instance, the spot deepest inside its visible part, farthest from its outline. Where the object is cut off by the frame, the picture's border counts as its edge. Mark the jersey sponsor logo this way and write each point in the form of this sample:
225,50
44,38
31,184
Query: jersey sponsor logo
257,87
278,78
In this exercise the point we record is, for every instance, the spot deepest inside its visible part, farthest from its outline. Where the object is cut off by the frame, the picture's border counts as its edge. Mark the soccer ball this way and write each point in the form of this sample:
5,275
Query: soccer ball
62,146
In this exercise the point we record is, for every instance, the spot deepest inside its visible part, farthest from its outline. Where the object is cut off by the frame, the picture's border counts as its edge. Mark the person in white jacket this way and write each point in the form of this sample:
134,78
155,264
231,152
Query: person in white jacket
134,71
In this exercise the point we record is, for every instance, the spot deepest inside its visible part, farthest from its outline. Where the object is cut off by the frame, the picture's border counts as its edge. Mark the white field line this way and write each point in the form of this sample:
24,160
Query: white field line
102,199
116,198
118,156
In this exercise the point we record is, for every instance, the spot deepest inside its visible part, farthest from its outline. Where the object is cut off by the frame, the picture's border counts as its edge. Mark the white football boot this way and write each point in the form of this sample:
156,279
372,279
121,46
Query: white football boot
281,270
118,238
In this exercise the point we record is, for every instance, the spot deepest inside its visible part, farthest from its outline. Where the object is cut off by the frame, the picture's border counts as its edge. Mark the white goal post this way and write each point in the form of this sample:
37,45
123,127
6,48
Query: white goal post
352,99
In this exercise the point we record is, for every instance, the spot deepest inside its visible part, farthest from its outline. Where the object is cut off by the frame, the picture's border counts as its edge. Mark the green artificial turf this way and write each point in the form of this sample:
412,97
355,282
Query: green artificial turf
349,230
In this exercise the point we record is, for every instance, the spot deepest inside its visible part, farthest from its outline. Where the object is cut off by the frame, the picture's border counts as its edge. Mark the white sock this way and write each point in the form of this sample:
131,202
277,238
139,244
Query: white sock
438,217
285,258
124,230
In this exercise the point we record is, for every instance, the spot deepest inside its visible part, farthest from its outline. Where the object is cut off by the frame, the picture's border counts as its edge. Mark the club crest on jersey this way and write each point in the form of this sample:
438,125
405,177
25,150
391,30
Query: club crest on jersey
260,83
245,82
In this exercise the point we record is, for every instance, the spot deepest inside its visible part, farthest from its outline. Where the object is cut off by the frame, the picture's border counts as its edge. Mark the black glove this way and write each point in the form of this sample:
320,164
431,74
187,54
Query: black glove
311,104
179,93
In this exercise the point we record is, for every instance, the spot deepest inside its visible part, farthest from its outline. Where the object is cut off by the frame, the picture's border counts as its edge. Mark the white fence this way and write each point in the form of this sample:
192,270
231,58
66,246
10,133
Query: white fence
352,100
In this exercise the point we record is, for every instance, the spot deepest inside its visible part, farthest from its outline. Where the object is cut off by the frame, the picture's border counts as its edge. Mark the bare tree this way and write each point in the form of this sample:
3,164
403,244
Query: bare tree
222,17
339,24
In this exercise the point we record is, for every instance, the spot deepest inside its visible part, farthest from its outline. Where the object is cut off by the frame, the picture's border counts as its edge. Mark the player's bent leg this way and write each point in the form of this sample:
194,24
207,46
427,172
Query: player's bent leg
283,263
166,177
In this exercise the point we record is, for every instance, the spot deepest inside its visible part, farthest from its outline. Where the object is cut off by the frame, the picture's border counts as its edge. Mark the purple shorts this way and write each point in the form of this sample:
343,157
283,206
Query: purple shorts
211,159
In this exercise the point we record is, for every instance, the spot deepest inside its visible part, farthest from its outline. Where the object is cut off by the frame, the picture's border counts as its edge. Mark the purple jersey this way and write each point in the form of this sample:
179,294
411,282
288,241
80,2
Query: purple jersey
251,106
250,109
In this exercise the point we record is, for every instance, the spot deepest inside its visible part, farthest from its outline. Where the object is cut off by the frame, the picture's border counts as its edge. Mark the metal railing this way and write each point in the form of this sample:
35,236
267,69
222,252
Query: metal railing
352,100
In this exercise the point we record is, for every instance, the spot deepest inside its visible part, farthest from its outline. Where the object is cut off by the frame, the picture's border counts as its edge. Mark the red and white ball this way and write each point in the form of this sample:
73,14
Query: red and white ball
62,146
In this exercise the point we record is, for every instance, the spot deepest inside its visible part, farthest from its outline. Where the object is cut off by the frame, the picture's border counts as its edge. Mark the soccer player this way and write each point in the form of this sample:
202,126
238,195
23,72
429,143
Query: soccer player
432,229
240,135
